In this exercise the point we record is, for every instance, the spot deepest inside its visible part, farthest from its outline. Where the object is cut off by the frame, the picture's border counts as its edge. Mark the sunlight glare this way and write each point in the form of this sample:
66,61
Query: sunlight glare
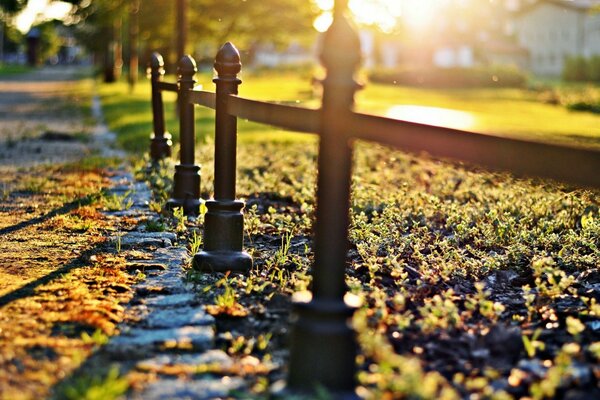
433,116
323,21
416,14
419,13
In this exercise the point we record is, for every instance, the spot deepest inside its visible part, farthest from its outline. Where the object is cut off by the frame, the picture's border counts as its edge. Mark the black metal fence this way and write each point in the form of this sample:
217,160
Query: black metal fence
323,344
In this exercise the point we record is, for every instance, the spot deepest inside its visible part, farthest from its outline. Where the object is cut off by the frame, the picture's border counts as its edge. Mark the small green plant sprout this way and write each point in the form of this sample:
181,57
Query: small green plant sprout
35,185
226,303
574,326
107,386
529,297
4,192
180,219
592,306
195,243
551,281
155,225
439,312
532,344
262,341
98,338
251,221
203,209
140,276
594,348
281,256
115,202
557,374
248,345
118,243
480,302
589,217
155,206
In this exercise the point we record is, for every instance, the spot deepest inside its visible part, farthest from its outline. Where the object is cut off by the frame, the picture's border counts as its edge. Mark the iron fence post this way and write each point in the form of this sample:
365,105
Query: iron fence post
323,343
160,139
224,221
186,183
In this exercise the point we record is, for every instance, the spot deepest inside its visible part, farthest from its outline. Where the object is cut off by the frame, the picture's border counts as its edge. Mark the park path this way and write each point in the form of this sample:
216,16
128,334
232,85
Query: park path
50,230
85,289
42,114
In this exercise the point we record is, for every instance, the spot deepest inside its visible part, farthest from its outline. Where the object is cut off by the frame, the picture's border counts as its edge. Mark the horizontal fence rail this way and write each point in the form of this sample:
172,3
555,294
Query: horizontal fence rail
166,86
291,118
203,98
323,345
580,166
577,165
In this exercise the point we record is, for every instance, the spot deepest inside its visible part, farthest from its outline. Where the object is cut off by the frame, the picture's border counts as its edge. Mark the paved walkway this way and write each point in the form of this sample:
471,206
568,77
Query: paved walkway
165,344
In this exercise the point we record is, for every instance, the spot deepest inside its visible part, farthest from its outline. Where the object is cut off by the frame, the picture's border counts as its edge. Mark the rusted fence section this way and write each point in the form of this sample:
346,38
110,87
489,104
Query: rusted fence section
323,344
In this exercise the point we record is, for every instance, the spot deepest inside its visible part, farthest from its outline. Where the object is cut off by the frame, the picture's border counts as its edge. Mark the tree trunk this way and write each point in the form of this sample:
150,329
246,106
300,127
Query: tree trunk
133,43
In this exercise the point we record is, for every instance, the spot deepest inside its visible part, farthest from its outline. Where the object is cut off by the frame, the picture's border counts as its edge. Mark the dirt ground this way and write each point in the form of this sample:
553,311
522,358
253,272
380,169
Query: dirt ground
61,284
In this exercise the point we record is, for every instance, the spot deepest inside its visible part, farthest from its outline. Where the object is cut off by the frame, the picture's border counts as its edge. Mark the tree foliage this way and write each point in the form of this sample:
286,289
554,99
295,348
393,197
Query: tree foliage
49,41
211,23
12,6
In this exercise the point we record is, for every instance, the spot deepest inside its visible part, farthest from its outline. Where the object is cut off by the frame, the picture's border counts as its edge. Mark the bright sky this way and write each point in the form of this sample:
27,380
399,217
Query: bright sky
415,13
40,10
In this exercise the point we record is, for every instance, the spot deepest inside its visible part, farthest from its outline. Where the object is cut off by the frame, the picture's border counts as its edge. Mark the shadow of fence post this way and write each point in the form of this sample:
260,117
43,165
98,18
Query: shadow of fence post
186,182
160,139
224,221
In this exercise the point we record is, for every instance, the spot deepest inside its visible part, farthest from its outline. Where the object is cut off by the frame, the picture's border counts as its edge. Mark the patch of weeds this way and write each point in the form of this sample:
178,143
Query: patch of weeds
390,375
140,277
160,179
4,192
98,338
465,276
226,303
155,225
116,202
105,386
180,219
94,162
34,185
118,243
194,243
532,344
557,375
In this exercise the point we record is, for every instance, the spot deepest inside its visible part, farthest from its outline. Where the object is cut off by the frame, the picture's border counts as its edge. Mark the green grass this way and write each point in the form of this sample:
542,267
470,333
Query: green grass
11,69
441,255
513,112
129,114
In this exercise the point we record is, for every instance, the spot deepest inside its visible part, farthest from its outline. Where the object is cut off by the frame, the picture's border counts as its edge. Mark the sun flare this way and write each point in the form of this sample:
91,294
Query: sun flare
385,14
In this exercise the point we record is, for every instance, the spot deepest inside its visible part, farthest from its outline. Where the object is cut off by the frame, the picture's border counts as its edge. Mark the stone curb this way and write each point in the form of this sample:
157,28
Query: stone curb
169,327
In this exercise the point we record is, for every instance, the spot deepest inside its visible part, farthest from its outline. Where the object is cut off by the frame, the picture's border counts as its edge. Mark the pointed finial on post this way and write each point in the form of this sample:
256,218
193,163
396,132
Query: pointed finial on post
341,55
186,68
157,64
228,62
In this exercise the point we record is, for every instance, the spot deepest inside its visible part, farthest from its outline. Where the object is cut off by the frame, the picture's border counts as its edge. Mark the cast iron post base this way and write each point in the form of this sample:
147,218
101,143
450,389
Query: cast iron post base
223,239
186,189
323,348
160,146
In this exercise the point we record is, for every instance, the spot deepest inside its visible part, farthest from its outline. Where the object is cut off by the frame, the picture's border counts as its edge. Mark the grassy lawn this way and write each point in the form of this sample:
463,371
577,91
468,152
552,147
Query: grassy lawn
515,112
475,285
9,69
